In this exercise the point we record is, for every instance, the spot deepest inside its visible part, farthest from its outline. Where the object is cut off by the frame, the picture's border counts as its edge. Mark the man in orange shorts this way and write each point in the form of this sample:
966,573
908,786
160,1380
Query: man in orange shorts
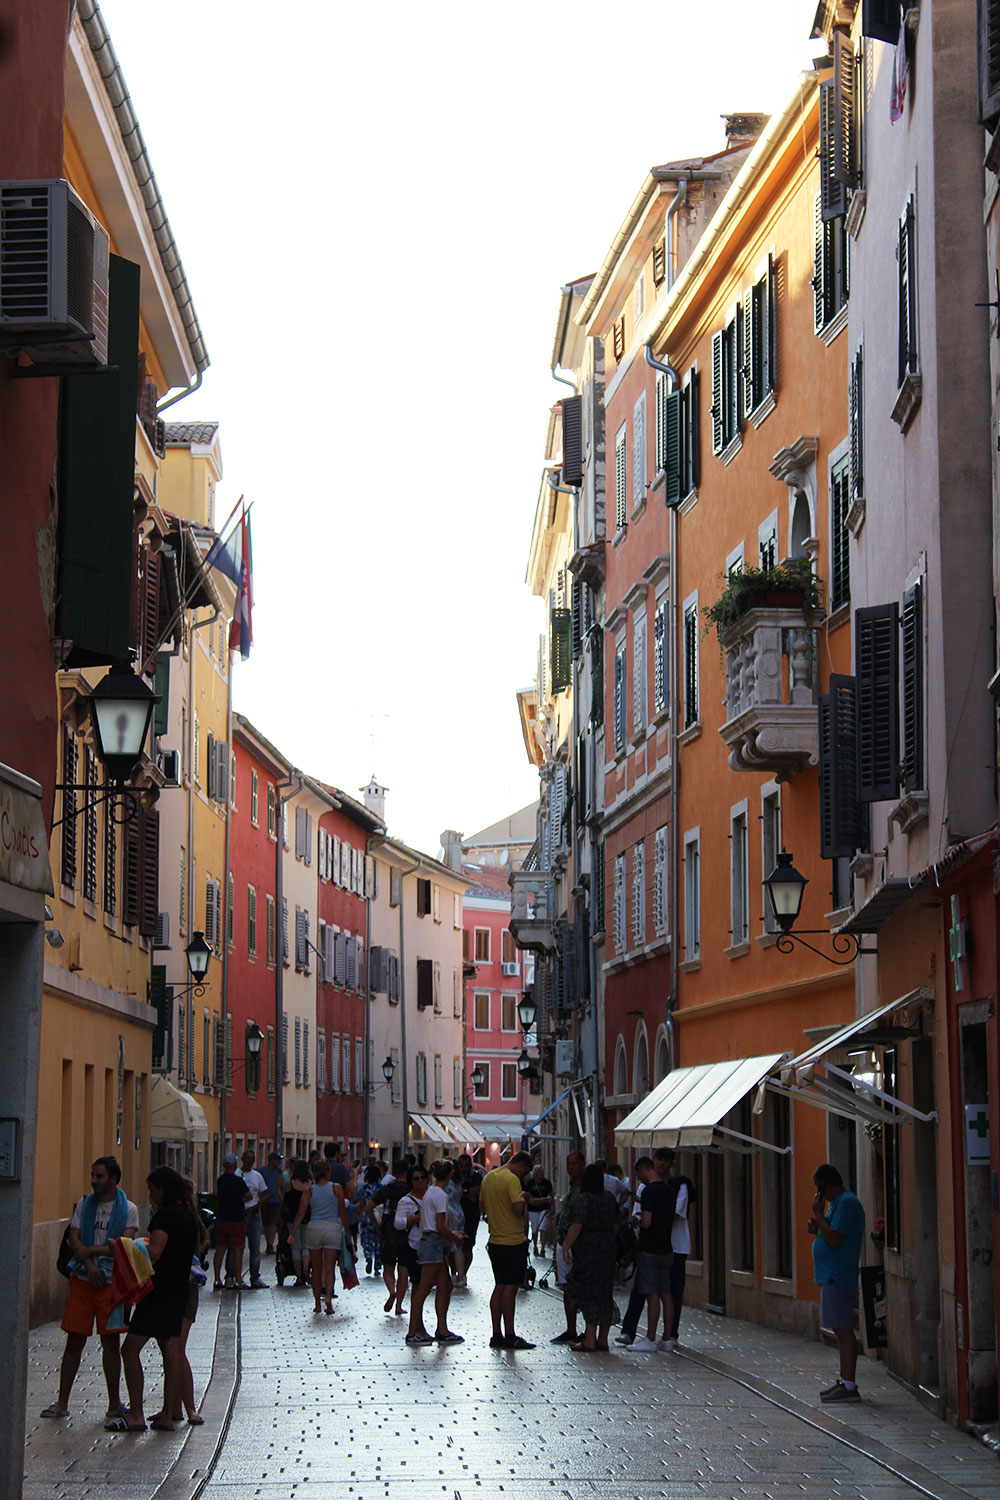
103,1215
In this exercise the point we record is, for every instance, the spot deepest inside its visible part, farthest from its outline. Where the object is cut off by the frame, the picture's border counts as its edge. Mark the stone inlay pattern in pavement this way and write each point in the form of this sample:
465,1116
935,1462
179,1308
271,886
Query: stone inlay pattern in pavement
339,1408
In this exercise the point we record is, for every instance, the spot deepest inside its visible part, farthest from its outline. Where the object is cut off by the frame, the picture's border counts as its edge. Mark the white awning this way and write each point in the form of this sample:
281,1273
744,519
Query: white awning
839,1091
432,1129
174,1115
686,1108
462,1132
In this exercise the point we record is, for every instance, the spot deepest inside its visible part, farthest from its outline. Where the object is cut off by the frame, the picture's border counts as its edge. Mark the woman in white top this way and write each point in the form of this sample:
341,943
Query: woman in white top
434,1231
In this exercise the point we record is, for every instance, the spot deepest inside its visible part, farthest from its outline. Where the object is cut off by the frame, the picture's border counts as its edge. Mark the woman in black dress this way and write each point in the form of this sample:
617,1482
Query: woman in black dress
173,1237
591,1251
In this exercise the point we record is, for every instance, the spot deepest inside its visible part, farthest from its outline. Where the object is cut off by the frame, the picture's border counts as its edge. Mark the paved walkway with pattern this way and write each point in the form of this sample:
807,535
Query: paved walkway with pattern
340,1409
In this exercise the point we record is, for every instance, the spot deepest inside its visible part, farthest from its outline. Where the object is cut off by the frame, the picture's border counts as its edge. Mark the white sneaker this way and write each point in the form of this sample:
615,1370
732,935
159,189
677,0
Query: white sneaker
666,1346
644,1346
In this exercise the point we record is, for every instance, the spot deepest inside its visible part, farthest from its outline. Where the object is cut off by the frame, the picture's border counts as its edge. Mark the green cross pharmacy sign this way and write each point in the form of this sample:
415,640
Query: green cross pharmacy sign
977,1135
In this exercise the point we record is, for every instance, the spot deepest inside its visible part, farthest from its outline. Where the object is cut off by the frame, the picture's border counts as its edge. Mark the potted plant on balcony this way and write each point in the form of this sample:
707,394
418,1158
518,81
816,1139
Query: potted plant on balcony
791,585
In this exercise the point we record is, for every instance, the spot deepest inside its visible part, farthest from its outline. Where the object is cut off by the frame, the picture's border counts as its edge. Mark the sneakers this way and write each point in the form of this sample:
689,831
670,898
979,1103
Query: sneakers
644,1346
259,1286
665,1346
517,1343
418,1338
840,1392
566,1338
449,1338
624,1338
498,1342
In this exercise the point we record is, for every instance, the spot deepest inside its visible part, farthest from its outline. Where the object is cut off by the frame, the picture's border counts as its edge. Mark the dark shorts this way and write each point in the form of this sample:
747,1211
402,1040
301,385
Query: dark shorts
191,1306
230,1233
158,1316
653,1273
509,1263
269,1214
836,1307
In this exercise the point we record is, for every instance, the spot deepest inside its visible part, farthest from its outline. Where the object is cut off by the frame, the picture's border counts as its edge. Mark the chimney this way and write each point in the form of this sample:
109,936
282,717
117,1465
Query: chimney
451,849
743,130
374,796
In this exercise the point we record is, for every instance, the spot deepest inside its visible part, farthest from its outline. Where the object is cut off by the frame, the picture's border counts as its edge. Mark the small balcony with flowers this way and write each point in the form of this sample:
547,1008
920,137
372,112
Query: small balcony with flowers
765,621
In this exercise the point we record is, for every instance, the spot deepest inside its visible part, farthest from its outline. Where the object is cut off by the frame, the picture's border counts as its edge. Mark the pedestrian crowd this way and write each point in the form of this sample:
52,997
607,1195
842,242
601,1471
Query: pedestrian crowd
416,1227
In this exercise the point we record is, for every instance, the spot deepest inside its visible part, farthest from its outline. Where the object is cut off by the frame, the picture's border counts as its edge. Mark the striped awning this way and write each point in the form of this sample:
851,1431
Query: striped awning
686,1109
449,1130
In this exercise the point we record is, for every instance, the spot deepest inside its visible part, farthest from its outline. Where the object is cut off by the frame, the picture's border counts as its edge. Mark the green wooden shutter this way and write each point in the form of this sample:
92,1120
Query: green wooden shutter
840,815
673,486
819,268
717,422
561,649
576,612
691,434
735,411
572,441
131,871
907,293
597,678
661,421
844,162
989,62
161,998
769,332
149,870
832,191
856,403
913,688
876,660
749,359
96,475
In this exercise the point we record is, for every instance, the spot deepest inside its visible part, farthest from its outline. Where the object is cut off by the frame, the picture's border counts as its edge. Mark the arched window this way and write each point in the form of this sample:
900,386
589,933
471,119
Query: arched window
621,1069
641,1066
662,1057
802,527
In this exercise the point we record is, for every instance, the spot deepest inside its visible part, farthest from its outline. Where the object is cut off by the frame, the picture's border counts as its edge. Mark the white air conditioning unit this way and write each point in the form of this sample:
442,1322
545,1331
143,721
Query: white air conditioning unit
509,968
170,765
564,1058
161,938
53,275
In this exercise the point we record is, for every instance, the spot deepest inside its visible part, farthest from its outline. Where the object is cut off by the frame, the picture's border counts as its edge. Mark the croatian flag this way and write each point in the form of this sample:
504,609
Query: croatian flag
225,552
241,630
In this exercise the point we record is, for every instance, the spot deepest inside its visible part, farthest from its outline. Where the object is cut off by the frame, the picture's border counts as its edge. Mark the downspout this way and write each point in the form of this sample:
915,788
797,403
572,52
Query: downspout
671,228
373,841
674,863
295,782
227,915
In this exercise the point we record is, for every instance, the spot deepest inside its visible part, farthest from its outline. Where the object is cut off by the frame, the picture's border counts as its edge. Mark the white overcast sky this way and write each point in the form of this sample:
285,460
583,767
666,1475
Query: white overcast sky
376,206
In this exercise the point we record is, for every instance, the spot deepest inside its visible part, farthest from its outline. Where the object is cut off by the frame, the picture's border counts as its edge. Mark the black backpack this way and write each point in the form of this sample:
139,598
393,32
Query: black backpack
65,1254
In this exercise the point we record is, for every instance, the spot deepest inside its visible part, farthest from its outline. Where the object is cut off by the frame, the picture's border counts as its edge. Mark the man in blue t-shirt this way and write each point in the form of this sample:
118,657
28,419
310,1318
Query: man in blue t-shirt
839,1233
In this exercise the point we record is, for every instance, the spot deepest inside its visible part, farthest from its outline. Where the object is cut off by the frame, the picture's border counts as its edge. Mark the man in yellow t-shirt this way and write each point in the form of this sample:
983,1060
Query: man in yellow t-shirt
502,1200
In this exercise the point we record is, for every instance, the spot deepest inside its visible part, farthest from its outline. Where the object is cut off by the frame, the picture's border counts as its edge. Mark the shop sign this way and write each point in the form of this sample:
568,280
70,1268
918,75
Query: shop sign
24,846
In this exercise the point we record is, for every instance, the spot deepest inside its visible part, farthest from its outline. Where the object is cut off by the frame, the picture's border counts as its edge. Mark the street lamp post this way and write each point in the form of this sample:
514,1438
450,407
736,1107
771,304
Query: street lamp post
784,889
121,706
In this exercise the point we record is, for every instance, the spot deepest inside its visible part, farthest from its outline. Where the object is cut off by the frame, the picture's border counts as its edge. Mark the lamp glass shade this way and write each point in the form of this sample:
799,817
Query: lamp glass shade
388,1069
785,888
198,954
121,707
524,1062
255,1040
527,1010
477,1077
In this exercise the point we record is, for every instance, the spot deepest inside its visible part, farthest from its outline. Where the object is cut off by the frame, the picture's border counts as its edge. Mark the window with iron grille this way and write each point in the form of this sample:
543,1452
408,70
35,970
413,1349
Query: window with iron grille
254,791
90,826
660,882
298,1049
619,912
270,1062
691,697
639,673
639,895
840,537
620,697
251,922
110,853
68,839
272,811
269,934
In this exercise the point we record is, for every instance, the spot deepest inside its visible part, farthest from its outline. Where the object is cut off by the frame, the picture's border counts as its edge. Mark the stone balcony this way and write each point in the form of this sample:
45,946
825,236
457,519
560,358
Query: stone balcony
771,718
533,910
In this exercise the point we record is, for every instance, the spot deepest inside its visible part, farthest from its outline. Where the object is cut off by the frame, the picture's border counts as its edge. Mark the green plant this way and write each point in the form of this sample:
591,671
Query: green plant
747,589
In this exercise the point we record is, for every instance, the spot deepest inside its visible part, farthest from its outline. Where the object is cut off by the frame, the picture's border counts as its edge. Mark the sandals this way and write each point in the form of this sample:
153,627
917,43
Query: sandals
582,1348
55,1410
121,1424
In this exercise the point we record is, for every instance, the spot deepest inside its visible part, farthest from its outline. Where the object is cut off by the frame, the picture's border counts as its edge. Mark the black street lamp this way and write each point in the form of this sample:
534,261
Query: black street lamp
121,706
477,1077
524,1062
254,1040
388,1070
198,955
526,1011
785,888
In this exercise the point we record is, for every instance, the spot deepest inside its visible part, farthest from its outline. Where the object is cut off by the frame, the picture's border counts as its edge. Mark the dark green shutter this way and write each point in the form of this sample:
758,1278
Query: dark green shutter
717,418
161,998
844,165
913,688
132,871
96,477
907,293
691,434
749,353
876,661
161,687
819,268
833,192
149,871
572,441
562,649
769,332
619,699
856,400
840,817
989,62
673,491
597,678
881,19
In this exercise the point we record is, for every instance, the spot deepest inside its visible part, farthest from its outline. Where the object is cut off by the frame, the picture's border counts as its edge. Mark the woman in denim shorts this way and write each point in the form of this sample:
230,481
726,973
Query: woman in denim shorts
434,1233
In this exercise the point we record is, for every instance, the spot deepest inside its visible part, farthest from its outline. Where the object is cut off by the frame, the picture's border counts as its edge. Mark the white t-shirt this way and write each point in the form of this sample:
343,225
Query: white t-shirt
256,1184
434,1202
680,1234
406,1206
103,1218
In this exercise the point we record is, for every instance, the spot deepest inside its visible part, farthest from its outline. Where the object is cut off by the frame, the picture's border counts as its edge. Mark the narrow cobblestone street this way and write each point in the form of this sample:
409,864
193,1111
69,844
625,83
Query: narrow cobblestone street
339,1409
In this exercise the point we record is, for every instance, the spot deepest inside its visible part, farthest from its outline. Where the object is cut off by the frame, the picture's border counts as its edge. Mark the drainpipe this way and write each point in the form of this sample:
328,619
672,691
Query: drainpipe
189,881
671,226
674,863
372,841
295,782
227,915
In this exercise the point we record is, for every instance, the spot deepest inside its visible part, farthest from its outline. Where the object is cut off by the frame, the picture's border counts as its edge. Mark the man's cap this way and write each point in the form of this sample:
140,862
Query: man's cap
230,1159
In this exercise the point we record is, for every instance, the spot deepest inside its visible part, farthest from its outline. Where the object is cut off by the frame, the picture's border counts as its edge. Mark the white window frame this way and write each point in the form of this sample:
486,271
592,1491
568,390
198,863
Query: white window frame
456,1083
639,673
661,703
475,945
639,455
478,995
516,1025
621,477
770,842
508,1070
765,531
661,855
639,894
690,607
619,904
692,895
483,1091
735,560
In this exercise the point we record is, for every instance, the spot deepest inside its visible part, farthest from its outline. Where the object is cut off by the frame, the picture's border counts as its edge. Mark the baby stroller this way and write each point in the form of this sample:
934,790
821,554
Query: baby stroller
283,1265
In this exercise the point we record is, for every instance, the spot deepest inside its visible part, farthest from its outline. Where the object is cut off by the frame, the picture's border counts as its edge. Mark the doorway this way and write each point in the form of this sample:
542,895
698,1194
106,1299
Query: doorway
978,1336
716,1233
